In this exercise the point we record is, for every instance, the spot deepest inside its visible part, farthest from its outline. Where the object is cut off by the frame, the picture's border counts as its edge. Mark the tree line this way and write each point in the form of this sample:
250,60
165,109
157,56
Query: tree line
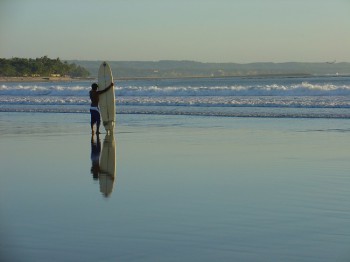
43,66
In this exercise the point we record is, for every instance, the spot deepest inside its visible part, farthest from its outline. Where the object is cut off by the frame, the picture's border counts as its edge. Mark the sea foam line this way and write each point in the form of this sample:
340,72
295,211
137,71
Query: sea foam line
191,101
303,89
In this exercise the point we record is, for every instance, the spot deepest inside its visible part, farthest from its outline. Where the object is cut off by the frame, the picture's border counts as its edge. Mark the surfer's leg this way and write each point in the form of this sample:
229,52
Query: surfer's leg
92,121
98,123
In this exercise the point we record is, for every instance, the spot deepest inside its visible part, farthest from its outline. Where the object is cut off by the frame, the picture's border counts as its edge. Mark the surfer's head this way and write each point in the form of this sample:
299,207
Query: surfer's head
94,86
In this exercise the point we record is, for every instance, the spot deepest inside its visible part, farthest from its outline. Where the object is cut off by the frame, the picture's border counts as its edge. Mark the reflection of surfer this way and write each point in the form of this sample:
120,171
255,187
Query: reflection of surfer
95,156
103,163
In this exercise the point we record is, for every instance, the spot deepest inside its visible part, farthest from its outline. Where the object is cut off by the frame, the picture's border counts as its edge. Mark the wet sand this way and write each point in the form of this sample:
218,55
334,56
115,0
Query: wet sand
185,189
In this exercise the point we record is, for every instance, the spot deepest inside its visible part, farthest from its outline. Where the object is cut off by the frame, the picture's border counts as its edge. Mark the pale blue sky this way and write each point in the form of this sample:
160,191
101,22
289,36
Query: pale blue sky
239,31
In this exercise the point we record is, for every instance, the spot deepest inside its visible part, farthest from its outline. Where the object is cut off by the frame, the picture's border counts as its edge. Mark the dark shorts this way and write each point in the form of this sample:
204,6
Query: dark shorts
95,117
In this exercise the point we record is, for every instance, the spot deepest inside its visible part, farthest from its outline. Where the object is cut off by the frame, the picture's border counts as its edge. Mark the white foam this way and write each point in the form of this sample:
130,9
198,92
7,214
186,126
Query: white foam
303,89
43,90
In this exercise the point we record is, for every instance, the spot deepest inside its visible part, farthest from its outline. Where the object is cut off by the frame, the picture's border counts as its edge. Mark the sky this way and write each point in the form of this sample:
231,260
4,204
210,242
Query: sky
239,31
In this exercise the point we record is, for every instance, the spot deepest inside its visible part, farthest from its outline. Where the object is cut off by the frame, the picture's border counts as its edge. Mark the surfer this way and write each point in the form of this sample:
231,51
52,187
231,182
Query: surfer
94,109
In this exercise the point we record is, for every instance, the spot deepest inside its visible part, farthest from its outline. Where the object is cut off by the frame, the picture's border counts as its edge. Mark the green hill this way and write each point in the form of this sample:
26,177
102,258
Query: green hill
44,66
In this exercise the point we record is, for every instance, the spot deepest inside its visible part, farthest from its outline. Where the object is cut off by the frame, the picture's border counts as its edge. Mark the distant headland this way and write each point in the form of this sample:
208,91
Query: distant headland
181,69
46,69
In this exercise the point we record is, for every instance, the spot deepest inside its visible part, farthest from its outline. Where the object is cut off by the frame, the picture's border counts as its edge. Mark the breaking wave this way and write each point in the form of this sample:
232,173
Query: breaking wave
303,89
226,97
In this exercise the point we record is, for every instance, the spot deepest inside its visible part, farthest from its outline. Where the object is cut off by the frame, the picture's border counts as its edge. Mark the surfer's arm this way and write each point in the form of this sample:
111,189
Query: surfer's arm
106,89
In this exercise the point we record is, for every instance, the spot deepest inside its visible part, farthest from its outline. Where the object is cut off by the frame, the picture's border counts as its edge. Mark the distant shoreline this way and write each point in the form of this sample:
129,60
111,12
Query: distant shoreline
42,79
76,79
215,77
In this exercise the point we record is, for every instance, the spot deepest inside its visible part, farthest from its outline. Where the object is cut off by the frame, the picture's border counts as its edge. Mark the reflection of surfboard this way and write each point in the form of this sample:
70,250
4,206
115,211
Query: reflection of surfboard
107,99
107,165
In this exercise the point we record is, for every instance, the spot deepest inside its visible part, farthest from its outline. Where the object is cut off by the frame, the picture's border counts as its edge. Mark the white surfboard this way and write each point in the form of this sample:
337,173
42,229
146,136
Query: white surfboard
107,166
107,99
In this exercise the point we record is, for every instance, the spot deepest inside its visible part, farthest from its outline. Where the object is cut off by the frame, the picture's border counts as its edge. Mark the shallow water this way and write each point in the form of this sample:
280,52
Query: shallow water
187,188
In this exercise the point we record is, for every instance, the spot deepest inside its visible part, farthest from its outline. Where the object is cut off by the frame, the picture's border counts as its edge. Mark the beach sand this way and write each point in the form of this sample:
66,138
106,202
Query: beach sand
185,189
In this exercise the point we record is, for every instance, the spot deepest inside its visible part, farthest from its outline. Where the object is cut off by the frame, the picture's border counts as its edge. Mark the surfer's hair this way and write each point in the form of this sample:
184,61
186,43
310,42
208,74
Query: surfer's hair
94,86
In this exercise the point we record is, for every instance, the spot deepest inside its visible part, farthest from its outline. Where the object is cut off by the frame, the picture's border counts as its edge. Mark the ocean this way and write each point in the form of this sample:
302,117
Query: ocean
276,97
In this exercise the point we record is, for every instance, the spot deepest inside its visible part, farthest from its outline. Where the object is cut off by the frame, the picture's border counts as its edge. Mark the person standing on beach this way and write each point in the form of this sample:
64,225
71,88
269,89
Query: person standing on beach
94,109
